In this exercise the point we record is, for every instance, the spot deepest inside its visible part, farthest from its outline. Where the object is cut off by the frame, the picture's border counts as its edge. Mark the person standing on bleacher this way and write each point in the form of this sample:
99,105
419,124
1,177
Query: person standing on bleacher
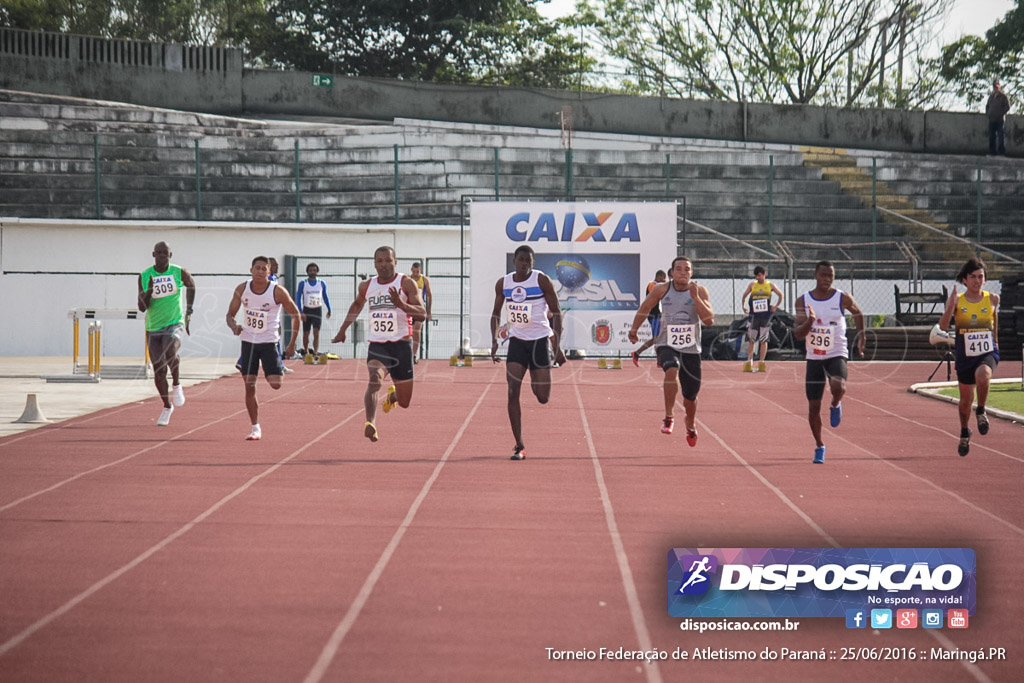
996,109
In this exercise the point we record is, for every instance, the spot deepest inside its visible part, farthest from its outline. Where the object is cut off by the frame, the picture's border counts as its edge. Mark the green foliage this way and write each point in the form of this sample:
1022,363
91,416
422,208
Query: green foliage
972,63
799,51
467,41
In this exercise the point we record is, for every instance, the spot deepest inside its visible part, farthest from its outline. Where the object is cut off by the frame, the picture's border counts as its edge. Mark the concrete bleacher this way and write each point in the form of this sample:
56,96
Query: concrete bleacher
348,174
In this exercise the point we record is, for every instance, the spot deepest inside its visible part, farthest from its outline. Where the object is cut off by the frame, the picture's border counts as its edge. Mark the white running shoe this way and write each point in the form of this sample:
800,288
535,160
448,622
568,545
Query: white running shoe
255,435
165,417
178,396
287,370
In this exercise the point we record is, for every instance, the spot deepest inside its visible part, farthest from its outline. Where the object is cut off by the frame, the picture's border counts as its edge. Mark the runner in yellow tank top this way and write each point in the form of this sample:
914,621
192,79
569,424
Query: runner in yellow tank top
761,310
974,313
422,283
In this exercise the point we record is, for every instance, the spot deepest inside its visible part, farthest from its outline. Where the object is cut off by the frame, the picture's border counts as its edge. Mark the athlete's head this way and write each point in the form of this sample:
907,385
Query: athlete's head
660,276
385,262
260,269
682,270
273,265
417,268
972,274
161,255
312,270
522,260
760,273
824,274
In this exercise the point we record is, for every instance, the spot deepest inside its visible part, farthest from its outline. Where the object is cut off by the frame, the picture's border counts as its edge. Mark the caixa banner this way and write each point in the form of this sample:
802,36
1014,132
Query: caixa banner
817,582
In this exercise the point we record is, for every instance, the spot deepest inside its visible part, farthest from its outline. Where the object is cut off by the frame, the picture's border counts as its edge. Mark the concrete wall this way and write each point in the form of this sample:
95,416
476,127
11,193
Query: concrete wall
48,267
234,90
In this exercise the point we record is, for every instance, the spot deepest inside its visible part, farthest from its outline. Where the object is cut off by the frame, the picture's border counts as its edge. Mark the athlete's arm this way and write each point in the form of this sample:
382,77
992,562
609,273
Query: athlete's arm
236,303
702,302
327,302
804,320
190,297
778,304
648,304
144,295
947,315
994,298
556,316
353,311
743,298
282,297
858,320
499,300
298,292
428,297
413,307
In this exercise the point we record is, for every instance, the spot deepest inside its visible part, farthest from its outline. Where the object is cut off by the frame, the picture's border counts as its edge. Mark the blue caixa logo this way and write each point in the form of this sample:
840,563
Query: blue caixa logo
697,579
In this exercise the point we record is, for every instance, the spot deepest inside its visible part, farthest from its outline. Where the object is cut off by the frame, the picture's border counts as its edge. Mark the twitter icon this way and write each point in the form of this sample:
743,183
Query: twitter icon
881,618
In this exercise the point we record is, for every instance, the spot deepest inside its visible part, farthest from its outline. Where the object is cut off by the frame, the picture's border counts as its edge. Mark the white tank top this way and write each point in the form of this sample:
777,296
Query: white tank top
312,295
388,322
262,321
526,309
827,338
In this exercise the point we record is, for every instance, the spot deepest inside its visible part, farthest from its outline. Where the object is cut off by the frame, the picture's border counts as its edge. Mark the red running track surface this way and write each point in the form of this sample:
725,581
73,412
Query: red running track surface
130,552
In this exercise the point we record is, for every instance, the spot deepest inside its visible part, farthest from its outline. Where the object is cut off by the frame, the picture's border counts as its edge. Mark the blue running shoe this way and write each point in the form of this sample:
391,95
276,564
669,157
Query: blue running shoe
819,455
835,414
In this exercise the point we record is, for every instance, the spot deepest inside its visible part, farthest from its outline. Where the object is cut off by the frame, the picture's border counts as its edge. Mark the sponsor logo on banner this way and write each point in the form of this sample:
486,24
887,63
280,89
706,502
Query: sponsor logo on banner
819,582
601,332
570,226
591,282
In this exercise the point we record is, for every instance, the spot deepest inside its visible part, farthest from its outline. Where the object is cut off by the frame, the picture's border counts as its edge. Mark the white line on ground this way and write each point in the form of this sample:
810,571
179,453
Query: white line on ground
629,585
118,573
323,662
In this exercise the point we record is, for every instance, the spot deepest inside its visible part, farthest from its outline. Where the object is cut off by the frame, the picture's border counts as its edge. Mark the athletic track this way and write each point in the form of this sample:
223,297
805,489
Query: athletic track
135,553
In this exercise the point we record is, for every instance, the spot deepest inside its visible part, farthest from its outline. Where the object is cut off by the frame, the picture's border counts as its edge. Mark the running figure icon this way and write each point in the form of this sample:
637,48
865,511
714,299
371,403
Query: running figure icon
697,571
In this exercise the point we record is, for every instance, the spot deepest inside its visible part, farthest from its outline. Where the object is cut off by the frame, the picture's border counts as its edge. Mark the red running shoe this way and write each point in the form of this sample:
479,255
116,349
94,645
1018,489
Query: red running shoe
667,425
691,437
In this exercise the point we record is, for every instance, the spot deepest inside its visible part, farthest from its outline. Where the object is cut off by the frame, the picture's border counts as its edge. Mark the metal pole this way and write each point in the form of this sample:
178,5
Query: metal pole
668,178
96,173
568,174
462,274
874,213
199,189
978,183
497,191
771,196
298,186
396,182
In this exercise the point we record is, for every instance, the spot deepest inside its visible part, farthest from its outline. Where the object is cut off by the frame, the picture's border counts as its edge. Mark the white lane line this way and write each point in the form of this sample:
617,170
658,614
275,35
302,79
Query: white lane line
338,636
118,573
954,437
943,640
126,458
629,585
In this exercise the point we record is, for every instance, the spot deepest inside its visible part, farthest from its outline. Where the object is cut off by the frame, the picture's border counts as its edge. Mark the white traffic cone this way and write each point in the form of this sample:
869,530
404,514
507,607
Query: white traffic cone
32,412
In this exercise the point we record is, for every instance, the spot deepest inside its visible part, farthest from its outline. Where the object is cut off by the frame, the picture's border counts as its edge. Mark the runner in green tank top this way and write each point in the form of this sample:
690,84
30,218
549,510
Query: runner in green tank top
160,288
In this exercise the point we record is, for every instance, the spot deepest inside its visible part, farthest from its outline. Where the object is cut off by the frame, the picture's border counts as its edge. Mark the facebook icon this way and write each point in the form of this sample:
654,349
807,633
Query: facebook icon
856,618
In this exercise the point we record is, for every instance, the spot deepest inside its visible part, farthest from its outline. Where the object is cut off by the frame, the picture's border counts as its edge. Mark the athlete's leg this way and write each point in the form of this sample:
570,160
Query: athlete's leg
159,348
814,419
376,370
540,383
964,406
251,404
670,388
836,385
764,351
982,378
305,340
316,340
515,372
403,389
417,327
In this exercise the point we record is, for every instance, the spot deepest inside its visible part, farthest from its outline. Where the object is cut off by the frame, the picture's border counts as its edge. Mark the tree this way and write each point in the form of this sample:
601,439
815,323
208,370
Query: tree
196,22
972,63
799,51
494,41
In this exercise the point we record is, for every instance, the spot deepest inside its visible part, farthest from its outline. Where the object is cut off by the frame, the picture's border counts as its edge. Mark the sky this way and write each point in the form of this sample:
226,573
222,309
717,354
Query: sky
968,17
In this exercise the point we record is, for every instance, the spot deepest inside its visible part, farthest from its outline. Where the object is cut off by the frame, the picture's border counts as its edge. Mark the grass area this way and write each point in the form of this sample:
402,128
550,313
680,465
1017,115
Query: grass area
1002,396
